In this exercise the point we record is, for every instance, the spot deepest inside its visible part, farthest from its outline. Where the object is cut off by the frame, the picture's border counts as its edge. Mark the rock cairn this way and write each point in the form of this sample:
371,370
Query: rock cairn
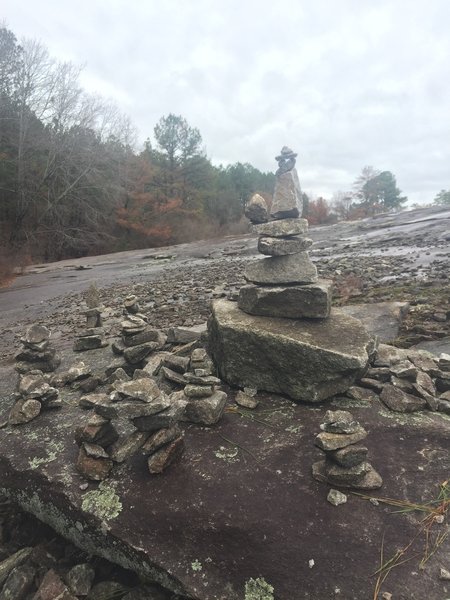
34,396
135,417
285,284
205,404
37,352
94,335
345,464
137,340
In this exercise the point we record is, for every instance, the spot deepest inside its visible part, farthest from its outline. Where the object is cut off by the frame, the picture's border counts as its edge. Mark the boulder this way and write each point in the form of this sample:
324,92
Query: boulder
399,401
311,301
305,360
206,411
256,209
292,268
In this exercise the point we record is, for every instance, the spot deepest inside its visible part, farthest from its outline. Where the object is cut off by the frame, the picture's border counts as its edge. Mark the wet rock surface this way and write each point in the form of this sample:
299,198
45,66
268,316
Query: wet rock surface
203,525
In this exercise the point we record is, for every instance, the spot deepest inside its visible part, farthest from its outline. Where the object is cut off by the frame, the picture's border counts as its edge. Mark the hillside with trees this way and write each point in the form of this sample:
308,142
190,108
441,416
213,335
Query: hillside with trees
74,183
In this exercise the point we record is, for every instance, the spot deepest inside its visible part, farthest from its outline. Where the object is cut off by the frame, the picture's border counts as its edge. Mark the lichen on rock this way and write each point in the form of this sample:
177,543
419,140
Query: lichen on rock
103,502
258,589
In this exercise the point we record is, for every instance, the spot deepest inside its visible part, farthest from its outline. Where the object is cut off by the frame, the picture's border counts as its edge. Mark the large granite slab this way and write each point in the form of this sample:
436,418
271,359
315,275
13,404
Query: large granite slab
304,359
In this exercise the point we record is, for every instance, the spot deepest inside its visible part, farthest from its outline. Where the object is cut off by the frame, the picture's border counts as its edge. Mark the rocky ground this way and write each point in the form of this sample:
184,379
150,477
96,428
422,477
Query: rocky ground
404,258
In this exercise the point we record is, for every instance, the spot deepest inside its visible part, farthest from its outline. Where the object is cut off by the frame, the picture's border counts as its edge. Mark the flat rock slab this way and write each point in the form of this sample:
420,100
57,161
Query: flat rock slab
292,268
304,359
247,508
381,318
294,302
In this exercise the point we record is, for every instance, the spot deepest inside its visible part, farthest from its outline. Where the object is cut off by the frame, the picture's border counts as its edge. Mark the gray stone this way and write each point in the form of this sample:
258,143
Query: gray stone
399,401
123,449
346,475
283,228
132,409
165,456
91,400
162,420
275,270
154,362
80,579
46,366
36,334
363,394
339,421
173,376
31,381
201,380
371,480
293,302
246,400
98,430
180,364
305,360
184,335
336,498
349,456
24,411
404,370
160,438
193,390
144,389
148,335
287,202
107,590
90,342
256,209
136,354
426,383
18,583
35,356
444,574
276,246
206,411
333,441
443,406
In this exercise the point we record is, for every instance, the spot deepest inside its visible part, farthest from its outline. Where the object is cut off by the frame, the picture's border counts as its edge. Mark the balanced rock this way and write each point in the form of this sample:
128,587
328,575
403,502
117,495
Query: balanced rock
292,268
312,301
287,202
305,360
276,246
256,209
282,228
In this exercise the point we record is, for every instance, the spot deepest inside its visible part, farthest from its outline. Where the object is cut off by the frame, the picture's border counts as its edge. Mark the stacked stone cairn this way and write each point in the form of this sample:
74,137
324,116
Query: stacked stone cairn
286,283
94,335
205,404
137,340
34,396
345,464
136,417
37,352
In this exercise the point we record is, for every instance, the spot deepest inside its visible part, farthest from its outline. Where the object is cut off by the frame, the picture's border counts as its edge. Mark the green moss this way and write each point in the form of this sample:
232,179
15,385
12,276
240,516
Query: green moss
103,502
258,589
196,565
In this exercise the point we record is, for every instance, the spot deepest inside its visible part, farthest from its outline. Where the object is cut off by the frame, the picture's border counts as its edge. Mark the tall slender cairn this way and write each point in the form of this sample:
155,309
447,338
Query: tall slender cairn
285,284
282,336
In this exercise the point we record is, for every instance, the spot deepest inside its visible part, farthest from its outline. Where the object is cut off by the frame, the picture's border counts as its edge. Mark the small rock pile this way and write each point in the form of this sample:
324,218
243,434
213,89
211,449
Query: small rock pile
345,463
135,417
138,340
205,404
94,335
34,395
286,283
409,380
37,352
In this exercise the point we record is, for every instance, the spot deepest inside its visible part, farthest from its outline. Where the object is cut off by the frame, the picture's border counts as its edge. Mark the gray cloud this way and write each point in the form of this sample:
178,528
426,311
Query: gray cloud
346,84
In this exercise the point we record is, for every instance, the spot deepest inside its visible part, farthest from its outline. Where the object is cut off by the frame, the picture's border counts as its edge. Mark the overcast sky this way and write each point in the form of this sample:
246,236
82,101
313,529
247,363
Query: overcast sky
345,83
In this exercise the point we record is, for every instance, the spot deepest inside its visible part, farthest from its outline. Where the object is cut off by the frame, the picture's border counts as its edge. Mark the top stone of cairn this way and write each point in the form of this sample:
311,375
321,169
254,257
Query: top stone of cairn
287,199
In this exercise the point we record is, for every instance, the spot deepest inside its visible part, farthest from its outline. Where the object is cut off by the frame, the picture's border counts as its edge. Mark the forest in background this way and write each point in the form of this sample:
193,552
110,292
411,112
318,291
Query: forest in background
72,182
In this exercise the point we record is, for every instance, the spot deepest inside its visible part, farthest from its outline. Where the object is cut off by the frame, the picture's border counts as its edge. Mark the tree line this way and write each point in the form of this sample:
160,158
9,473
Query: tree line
72,182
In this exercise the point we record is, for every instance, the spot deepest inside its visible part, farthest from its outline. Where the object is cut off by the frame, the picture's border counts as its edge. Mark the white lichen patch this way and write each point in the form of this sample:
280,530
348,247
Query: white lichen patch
103,502
258,589
293,428
229,455
196,565
52,451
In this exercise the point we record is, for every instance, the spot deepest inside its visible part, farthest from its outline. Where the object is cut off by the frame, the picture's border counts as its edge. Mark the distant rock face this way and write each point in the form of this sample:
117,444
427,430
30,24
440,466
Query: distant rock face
305,360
